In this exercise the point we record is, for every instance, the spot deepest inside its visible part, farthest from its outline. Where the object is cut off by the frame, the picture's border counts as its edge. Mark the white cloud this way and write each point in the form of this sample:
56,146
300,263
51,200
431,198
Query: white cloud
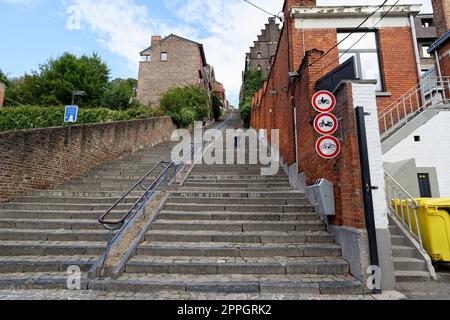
227,28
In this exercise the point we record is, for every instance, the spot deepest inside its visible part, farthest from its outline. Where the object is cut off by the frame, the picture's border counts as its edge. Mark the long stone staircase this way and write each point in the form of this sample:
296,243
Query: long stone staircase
45,232
230,230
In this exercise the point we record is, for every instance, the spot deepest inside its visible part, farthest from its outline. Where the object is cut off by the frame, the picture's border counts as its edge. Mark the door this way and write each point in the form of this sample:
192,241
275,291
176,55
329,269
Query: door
424,185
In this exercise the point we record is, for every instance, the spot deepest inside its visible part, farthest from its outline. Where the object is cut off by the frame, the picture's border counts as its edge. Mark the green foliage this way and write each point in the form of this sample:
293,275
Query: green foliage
185,105
217,106
28,117
118,94
253,80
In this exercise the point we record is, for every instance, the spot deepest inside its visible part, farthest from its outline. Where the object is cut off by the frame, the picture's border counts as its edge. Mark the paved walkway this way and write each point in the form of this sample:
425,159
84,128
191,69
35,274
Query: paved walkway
432,290
100,295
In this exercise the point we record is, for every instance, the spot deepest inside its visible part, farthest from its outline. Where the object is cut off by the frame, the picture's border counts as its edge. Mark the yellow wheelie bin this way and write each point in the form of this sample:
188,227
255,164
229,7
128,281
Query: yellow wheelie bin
434,223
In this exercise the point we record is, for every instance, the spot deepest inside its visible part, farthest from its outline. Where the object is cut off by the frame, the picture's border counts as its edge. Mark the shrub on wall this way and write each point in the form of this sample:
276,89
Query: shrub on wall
29,117
185,105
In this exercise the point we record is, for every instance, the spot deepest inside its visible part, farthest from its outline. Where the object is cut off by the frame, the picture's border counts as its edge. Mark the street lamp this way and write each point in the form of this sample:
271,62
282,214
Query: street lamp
77,93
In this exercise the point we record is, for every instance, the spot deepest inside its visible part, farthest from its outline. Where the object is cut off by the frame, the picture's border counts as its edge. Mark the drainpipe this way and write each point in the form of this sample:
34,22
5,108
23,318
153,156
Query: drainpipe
416,53
436,54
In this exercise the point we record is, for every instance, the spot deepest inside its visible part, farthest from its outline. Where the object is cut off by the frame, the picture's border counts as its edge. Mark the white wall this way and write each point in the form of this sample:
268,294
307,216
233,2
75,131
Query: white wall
432,151
364,96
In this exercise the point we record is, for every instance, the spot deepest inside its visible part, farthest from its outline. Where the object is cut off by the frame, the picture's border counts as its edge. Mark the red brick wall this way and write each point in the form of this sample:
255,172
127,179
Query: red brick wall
2,93
347,177
38,159
444,54
398,64
441,10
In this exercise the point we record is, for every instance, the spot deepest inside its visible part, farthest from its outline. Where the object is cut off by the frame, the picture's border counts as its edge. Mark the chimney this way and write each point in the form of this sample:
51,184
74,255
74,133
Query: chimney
2,93
441,10
155,40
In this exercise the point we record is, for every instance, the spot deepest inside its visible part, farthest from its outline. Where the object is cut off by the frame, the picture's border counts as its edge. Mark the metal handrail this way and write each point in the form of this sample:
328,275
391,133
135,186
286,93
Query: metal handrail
429,92
396,196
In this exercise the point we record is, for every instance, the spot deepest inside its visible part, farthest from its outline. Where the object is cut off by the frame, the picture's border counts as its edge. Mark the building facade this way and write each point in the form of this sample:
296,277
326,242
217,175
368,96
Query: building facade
426,35
264,48
172,62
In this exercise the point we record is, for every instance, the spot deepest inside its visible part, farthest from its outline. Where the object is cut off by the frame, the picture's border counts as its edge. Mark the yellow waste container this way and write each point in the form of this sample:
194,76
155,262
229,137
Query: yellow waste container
434,223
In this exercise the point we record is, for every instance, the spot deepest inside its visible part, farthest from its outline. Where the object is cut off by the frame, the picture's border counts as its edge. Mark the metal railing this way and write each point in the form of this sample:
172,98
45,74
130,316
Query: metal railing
403,207
431,91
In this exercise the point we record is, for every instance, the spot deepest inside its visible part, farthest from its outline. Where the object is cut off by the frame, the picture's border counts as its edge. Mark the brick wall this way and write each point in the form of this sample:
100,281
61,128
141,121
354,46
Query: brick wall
39,159
181,68
2,93
441,16
444,54
344,171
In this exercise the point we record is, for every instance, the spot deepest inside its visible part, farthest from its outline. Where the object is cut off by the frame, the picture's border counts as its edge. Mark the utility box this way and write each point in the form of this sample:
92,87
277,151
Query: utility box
321,195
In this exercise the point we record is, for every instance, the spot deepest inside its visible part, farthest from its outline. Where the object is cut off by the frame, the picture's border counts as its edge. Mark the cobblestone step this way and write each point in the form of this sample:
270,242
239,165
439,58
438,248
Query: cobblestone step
227,249
227,265
45,263
52,235
53,224
45,248
308,284
238,226
35,280
239,237
244,216
194,207
242,201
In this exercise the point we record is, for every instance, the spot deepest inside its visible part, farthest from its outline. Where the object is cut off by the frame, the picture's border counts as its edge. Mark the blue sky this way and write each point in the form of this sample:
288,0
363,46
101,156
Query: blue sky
31,31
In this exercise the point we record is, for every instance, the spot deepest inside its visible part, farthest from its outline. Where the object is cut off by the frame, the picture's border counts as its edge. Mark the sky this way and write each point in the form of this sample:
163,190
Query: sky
32,31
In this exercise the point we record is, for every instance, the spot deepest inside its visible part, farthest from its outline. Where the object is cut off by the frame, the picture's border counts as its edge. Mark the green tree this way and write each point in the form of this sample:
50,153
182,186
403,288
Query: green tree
185,104
58,78
119,93
217,105
253,80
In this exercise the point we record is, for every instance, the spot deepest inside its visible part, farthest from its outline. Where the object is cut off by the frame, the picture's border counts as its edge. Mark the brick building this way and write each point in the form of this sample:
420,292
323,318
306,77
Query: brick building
2,93
441,48
171,62
264,48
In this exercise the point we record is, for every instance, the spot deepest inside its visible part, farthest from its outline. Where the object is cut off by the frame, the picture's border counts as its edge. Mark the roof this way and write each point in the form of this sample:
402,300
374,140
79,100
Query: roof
439,42
200,46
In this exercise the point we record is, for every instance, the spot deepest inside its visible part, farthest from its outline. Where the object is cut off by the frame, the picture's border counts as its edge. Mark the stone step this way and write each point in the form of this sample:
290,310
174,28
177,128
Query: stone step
96,180
47,214
238,226
38,281
74,200
52,224
94,187
19,206
239,237
219,188
83,194
42,248
52,235
399,240
257,177
404,252
239,184
409,264
244,216
412,276
204,265
26,264
227,249
187,207
228,284
237,194
243,201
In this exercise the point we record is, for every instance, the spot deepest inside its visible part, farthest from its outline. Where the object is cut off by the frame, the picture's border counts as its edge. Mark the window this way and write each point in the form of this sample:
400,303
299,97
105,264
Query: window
146,58
259,54
427,23
416,138
425,53
163,56
200,74
365,51
259,67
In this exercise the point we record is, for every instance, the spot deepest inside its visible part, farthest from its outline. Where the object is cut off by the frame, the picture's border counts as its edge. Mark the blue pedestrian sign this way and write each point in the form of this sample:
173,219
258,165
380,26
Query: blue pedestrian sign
71,114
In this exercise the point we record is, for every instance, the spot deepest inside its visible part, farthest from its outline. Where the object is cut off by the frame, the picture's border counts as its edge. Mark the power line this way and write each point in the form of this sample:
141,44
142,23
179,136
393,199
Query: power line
355,30
367,32
261,9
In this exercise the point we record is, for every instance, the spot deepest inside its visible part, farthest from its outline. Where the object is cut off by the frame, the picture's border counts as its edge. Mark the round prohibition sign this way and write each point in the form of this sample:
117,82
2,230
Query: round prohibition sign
328,147
326,124
324,101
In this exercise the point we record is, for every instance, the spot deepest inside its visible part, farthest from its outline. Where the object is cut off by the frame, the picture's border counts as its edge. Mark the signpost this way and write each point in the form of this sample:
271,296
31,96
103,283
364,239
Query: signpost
326,124
71,114
324,101
328,147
